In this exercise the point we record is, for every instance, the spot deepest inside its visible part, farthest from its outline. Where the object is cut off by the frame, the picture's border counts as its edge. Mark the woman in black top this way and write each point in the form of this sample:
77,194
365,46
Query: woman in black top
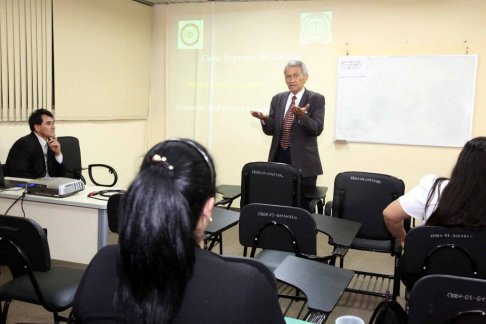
159,273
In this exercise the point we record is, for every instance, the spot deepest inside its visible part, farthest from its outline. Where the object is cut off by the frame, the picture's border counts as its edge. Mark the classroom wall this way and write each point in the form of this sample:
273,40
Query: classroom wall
102,51
367,27
364,28
119,143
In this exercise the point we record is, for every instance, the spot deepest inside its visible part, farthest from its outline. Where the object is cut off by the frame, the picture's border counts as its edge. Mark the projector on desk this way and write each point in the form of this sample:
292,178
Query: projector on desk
11,182
54,187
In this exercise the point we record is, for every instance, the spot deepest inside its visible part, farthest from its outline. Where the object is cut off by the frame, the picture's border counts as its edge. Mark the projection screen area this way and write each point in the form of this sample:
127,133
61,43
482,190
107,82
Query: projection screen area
227,59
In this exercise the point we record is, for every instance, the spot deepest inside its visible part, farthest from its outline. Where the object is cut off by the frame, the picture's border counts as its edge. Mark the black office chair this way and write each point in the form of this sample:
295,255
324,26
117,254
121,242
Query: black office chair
362,197
72,158
25,251
2,179
280,231
4,169
289,231
440,250
273,183
439,299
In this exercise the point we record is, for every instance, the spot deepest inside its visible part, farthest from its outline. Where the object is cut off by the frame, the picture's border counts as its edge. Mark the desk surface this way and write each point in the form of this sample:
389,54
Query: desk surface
223,219
79,199
234,191
321,283
341,231
77,225
229,191
314,192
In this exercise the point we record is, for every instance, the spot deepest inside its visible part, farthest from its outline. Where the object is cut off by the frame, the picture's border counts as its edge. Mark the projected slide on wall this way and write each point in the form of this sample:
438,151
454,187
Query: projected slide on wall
236,55
228,59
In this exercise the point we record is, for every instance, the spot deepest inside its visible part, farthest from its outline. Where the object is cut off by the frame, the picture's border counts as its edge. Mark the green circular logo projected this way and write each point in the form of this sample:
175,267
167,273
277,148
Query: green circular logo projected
315,28
190,34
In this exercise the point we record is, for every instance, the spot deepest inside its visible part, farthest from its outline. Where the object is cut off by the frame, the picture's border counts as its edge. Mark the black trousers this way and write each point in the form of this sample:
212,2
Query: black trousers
283,156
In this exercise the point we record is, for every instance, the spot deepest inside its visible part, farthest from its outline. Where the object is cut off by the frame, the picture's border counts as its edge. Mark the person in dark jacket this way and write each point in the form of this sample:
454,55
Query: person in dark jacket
159,272
38,154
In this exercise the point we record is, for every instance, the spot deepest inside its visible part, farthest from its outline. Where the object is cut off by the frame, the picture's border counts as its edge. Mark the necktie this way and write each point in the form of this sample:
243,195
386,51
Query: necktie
45,158
289,118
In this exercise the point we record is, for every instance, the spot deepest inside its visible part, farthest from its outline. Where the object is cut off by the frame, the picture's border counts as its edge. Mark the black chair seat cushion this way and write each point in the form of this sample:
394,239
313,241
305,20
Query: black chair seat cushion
374,245
272,258
58,286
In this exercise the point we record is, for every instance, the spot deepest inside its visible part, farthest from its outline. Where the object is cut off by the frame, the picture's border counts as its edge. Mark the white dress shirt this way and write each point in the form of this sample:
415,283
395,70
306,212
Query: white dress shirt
414,202
45,147
297,101
289,101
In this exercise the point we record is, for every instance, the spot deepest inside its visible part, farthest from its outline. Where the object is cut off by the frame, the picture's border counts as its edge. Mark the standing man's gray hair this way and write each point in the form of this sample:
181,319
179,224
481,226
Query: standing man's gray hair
300,64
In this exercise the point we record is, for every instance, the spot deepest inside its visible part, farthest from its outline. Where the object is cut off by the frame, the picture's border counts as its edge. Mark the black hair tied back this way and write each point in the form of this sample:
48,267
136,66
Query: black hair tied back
160,213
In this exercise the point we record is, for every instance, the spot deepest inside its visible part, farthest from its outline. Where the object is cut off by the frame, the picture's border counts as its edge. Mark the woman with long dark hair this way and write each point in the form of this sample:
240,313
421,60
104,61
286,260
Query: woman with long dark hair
456,202
160,273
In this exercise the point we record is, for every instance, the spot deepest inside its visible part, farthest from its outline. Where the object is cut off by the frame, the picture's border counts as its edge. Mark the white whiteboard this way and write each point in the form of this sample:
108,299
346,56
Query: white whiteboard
416,100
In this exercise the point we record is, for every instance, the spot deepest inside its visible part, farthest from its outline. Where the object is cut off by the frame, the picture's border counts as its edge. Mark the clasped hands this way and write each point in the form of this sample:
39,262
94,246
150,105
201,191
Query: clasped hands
296,110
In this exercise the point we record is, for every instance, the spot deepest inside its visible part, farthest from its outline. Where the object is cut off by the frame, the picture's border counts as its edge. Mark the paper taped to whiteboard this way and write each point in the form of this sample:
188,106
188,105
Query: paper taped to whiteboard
352,66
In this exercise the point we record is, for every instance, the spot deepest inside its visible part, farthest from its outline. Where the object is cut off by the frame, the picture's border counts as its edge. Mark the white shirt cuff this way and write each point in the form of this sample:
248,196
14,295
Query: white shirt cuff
59,158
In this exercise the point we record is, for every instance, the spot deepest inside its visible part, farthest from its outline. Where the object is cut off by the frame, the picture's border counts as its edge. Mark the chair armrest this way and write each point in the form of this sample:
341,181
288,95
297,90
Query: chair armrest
110,170
323,259
328,208
313,204
340,251
397,248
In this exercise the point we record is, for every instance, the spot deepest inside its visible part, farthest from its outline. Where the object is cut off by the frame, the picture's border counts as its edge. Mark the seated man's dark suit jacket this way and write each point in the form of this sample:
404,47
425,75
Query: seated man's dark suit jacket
26,160
303,134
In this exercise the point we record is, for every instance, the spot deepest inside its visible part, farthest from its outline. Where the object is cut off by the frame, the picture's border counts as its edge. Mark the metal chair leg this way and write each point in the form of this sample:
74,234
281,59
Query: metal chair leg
4,312
396,279
71,319
221,244
320,207
58,318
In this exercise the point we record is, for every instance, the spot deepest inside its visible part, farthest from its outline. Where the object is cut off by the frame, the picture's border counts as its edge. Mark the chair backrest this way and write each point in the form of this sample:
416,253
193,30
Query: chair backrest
30,238
71,156
270,183
441,250
447,299
362,197
114,220
276,225
6,170
2,179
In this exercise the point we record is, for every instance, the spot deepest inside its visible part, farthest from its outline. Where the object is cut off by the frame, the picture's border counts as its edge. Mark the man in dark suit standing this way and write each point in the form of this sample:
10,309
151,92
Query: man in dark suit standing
295,120
39,153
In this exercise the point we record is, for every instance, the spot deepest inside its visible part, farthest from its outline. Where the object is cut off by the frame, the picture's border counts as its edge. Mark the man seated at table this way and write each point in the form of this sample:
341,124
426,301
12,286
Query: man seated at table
38,154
